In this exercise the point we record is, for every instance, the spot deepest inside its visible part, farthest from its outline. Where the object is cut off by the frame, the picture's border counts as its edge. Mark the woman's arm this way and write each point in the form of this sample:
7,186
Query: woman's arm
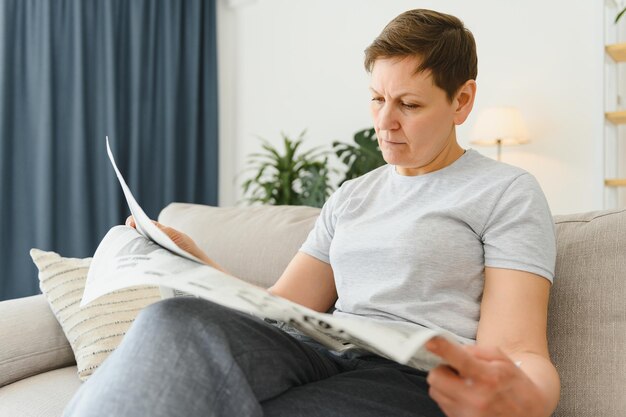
307,281
484,380
514,318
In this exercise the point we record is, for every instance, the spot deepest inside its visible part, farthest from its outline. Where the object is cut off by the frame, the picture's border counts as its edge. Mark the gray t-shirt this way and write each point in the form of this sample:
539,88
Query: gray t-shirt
411,250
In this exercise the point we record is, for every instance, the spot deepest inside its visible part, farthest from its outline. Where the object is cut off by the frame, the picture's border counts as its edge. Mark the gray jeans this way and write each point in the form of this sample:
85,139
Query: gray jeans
190,357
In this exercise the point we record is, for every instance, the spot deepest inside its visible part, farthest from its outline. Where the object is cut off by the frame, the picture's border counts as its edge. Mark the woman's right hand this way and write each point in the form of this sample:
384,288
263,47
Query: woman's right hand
181,240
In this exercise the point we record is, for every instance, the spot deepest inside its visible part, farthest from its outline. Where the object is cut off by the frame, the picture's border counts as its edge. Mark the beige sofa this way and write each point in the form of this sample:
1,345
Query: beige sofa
587,313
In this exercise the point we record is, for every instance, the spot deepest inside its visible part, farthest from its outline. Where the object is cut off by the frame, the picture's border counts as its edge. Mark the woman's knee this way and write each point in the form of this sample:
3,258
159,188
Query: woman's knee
209,324
176,314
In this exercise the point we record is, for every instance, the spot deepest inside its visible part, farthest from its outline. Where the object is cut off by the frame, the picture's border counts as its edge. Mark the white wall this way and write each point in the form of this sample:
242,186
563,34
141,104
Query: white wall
290,65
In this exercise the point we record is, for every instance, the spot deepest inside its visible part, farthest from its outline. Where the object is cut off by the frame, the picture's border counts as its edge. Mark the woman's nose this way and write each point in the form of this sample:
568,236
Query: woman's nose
386,118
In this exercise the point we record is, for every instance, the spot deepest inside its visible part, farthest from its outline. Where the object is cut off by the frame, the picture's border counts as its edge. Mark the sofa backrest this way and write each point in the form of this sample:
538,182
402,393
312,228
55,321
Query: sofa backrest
253,243
587,319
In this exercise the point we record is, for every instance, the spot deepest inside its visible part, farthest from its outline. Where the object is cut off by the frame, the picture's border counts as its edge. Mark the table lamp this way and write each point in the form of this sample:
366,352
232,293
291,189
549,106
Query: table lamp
499,126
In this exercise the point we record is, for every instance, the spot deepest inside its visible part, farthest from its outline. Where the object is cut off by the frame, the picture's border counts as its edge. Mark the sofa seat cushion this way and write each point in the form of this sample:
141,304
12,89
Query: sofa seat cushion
43,395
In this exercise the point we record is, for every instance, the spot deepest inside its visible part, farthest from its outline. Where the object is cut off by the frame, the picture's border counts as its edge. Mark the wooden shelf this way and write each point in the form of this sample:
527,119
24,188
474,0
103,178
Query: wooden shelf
617,117
615,182
617,51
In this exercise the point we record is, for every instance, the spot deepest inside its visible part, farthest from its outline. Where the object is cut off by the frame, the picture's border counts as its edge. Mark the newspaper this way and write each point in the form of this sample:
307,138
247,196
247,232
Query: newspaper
129,257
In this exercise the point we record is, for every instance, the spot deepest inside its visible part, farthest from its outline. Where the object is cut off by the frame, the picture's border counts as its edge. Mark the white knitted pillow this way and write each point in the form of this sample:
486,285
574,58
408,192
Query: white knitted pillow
97,329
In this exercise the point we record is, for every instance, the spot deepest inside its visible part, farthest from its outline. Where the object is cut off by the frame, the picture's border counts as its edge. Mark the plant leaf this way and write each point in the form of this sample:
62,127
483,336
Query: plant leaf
619,15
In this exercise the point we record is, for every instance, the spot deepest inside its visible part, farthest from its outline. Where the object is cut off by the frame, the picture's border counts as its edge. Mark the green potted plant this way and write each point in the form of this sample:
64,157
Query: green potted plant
287,177
362,157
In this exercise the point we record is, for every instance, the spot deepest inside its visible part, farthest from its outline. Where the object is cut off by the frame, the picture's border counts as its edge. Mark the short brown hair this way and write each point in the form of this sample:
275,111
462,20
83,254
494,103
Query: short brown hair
441,41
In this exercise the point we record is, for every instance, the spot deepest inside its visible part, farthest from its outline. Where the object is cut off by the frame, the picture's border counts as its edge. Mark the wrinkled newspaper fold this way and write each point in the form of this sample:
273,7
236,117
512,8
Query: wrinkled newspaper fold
129,257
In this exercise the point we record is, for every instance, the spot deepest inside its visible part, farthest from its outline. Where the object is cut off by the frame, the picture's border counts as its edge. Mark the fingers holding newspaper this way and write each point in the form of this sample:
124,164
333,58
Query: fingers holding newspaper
480,381
181,240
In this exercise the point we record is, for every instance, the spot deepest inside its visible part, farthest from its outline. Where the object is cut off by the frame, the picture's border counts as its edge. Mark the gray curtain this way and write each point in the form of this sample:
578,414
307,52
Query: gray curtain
144,73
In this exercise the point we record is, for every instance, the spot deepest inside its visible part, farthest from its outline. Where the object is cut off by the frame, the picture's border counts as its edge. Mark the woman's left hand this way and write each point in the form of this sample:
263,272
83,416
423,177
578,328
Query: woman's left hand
481,382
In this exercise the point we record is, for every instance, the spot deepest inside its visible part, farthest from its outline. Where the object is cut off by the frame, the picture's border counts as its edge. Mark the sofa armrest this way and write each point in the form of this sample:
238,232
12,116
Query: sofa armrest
31,340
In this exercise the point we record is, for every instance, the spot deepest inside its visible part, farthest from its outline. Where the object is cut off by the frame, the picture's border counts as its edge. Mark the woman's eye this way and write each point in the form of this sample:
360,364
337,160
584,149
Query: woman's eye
378,99
410,106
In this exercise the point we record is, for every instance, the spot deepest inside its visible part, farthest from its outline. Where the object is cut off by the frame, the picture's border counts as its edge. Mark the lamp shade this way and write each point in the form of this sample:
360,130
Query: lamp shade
499,125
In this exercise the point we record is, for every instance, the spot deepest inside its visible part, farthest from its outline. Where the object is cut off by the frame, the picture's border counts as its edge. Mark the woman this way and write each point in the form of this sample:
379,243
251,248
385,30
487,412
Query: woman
440,237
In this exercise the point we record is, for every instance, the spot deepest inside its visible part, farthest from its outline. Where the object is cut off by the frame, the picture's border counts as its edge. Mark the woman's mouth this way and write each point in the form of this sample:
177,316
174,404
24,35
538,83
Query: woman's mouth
391,142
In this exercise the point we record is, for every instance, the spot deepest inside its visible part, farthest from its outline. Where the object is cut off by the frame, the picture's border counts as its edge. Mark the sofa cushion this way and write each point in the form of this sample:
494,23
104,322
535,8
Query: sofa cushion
32,340
43,395
253,243
95,330
587,320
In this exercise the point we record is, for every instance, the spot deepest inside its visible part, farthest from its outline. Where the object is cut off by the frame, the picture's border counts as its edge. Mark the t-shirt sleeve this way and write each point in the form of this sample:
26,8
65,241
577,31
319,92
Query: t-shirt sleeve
519,233
317,243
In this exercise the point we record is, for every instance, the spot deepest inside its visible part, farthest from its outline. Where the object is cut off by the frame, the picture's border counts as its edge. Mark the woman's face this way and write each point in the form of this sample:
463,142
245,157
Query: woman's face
413,118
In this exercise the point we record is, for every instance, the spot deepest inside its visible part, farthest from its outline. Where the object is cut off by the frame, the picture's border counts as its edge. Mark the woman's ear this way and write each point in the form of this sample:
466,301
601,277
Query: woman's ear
464,101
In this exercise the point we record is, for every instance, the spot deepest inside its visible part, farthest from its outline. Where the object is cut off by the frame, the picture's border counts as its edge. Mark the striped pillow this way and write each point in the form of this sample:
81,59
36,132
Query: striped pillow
95,330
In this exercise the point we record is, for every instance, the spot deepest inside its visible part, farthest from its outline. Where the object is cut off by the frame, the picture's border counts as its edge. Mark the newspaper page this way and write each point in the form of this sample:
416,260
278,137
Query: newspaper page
144,225
147,256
